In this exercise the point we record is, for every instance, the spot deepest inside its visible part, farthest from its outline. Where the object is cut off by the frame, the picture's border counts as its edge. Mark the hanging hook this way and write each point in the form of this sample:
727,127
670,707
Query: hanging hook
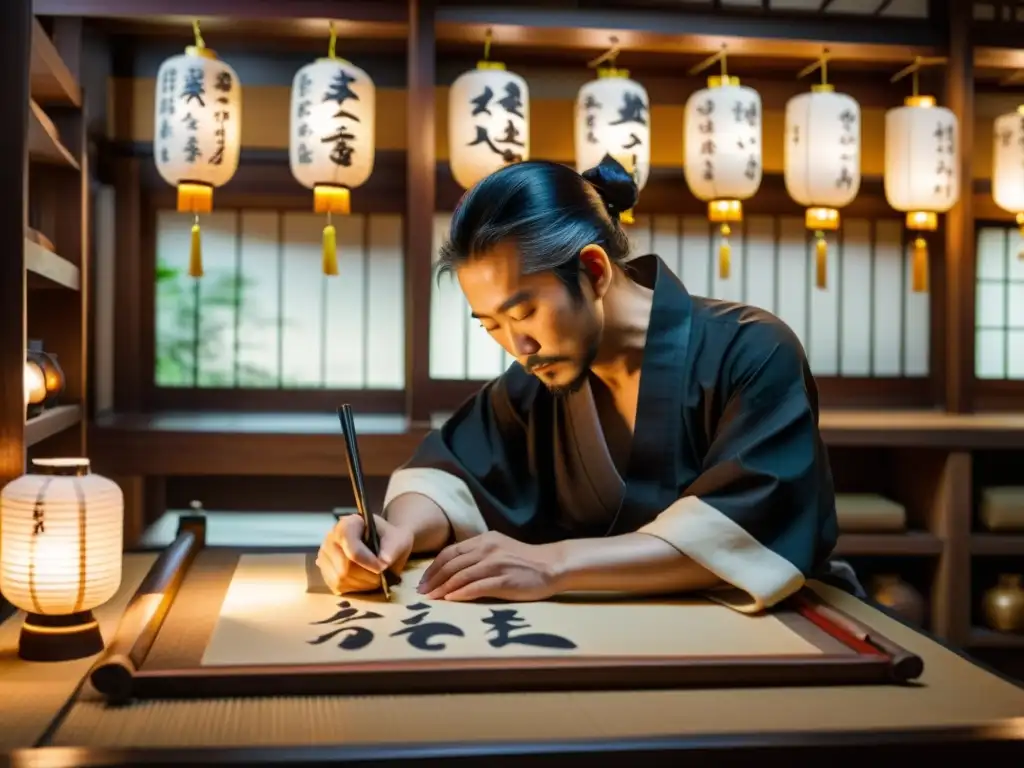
913,69
487,44
821,63
608,56
332,44
720,56
199,35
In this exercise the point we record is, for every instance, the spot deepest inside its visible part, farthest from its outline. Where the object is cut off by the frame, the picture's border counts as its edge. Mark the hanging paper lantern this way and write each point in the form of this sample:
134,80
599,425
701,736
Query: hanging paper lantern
1008,165
613,118
922,170
488,122
331,142
723,152
197,131
822,160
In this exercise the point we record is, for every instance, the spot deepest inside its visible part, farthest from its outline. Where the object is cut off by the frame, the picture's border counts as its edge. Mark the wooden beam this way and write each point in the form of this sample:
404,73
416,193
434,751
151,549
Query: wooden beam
762,35
356,10
420,195
959,251
15,57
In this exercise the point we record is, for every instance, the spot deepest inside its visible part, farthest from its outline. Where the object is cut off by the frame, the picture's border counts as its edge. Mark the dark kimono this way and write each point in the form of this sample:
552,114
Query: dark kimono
726,463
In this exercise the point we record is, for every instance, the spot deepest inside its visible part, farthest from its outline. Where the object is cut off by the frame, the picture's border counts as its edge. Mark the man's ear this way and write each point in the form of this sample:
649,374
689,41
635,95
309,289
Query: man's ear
597,269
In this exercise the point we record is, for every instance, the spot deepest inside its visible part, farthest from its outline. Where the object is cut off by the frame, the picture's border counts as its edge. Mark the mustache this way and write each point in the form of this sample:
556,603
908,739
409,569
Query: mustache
535,361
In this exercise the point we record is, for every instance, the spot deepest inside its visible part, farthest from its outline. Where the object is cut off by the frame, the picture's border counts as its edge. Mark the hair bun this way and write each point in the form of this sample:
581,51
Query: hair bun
615,185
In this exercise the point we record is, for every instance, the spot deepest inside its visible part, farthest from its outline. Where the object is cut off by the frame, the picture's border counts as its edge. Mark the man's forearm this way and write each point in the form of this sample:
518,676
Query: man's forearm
635,563
416,513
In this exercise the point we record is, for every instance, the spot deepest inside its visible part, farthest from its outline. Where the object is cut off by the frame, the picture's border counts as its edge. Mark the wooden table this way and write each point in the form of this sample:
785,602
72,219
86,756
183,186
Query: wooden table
956,710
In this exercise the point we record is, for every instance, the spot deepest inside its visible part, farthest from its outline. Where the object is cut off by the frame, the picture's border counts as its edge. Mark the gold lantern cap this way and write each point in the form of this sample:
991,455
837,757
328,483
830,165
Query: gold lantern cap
919,100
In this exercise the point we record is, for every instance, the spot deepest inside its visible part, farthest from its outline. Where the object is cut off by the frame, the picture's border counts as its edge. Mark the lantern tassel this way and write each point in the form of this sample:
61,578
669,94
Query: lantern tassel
724,254
821,260
195,254
919,274
330,256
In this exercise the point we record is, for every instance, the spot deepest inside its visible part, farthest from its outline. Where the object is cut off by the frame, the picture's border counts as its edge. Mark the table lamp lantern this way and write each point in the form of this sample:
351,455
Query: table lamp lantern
61,533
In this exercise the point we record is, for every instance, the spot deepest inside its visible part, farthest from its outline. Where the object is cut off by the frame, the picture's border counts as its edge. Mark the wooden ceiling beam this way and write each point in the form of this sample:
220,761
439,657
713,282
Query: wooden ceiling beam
185,10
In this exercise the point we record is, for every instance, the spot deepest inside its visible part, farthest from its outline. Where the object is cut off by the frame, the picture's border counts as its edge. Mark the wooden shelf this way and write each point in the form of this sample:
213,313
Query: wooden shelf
998,544
910,544
919,428
51,422
980,637
42,146
51,81
48,270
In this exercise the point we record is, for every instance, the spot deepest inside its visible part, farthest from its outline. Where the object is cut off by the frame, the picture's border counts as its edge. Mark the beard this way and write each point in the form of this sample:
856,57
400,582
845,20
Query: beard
581,374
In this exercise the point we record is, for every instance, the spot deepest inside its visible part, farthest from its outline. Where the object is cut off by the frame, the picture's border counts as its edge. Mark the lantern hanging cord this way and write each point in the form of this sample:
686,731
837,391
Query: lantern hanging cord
332,43
200,44
487,44
915,68
722,56
821,63
609,56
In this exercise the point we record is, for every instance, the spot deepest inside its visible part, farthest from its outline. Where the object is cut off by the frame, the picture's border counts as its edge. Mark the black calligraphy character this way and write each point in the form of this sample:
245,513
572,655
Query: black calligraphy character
305,83
167,84
192,149
847,118
38,521
512,101
706,108
339,89
165,130
511,135
193,88
305,154
166,107
223,84
796,134
845,179
353,636
422,635
943,169
706,127
218,154
190,122
165,156
304,108
632,110
634,141
505,625
1005,137
707,147
482,137
305,130
748,113
591,102
342,152
751,170
846,140
709,171
591,121
480,102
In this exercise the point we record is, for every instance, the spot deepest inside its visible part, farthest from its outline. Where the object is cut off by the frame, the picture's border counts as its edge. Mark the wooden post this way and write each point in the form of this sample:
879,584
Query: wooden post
128,368
959,283
420,195
15,52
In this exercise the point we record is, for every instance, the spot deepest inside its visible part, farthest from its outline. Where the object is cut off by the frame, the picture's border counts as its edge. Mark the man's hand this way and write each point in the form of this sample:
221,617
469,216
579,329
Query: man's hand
348,565
492,565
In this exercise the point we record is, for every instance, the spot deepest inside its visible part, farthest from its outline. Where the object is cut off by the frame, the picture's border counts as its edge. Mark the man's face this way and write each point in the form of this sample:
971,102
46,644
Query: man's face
534,317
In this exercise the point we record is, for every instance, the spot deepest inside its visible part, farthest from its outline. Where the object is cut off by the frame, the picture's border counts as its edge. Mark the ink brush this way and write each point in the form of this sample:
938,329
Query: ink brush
355,472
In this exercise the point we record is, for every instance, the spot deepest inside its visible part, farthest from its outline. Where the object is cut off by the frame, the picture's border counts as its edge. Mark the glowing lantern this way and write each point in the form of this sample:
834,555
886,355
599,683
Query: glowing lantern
488,121
723,151
822,160
613,118
197,131
331,140
922,170
61,532
1008,165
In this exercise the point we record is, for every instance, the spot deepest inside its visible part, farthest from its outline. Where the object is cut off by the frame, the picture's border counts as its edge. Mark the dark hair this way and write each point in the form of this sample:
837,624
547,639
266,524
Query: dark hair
549,211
